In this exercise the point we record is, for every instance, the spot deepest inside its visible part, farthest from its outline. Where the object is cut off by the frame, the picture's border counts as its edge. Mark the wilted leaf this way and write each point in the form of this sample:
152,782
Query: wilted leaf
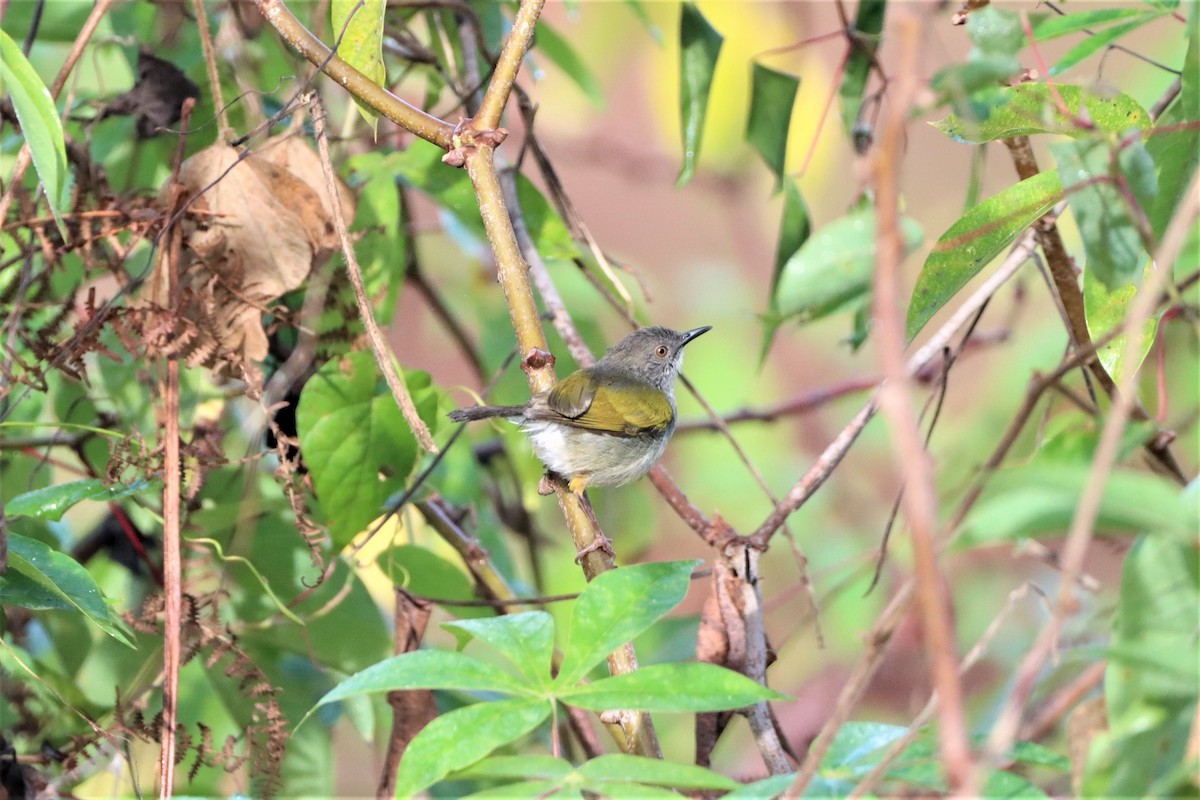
258,230
156,100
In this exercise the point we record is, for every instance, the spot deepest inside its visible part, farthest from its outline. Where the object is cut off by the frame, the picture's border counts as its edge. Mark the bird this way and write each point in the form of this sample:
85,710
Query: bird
607,424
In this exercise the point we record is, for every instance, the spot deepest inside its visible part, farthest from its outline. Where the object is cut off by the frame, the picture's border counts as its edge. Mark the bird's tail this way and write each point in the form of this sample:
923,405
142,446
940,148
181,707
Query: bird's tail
485,412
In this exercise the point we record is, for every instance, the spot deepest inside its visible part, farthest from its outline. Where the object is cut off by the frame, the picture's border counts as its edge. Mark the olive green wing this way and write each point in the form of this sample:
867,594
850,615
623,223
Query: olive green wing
619,408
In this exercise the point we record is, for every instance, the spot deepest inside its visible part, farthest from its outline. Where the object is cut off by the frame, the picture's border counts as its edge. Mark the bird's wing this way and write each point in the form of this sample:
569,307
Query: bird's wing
618,408
572,396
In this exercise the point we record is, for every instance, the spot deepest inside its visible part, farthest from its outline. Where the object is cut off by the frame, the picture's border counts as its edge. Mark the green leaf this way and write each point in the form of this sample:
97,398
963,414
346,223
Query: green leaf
833,270
1104,310
974,240
1052,26
529,765
868,25
1150,684
995,31
383,251
554,47
699,46
623,768
526,639
52,502
61,582
546,227
358,448
462,737
421,165
1176,151
772,95
794,230
40,125
358,37
425,573
616,607
1030,108
1114,250
669,687
1097,41
427,669
605,775
639,10
1040,499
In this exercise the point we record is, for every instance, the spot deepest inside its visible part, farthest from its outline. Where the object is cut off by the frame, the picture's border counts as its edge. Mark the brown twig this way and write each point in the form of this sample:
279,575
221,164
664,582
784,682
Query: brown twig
809,401
383,355
912,460
172,494
224,132
411,710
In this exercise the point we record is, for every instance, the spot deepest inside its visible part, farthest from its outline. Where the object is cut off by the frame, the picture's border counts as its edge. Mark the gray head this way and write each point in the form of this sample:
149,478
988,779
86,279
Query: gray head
653,353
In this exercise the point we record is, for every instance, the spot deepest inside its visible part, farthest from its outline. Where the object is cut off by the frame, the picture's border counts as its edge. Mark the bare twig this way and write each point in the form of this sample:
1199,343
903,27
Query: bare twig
173,475
383,355
224,132
920,494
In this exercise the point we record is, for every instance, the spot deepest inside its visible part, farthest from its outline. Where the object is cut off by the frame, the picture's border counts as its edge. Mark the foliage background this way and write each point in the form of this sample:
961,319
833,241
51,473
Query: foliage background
703,254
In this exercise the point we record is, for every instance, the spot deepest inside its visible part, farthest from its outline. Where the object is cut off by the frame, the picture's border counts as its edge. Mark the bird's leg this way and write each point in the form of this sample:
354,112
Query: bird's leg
578,486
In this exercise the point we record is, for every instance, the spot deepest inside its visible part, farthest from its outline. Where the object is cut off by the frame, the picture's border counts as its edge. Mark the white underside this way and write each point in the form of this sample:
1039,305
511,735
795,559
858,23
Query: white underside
606,460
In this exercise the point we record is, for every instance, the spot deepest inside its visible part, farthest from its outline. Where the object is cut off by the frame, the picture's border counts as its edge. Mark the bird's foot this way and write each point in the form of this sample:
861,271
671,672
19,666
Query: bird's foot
600,542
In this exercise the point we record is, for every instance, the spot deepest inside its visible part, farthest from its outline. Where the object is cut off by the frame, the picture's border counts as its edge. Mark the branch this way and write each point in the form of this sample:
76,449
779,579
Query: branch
363,88
920,494
495,97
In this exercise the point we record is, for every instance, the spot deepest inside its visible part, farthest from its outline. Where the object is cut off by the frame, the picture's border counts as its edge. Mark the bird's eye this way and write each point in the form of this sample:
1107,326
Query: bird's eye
662,351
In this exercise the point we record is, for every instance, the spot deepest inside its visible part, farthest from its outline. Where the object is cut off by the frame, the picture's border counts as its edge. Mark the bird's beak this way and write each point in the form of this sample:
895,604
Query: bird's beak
694,332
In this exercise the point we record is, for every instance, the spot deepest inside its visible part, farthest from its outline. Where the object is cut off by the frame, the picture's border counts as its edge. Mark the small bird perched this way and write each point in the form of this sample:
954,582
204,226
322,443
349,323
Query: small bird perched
606,424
